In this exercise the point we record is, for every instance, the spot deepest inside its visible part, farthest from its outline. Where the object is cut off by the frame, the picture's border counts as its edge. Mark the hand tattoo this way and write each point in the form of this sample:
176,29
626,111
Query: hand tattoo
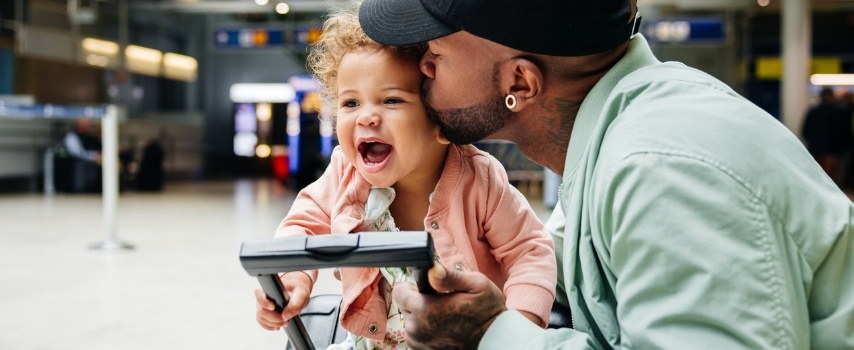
453,326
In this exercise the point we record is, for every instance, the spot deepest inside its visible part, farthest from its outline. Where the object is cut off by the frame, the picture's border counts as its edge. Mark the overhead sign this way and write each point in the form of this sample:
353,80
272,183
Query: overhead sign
249,38
307,36
699,30
52,111
771,68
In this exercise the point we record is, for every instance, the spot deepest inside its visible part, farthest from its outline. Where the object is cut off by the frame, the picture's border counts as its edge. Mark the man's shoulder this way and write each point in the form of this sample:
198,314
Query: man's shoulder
668,74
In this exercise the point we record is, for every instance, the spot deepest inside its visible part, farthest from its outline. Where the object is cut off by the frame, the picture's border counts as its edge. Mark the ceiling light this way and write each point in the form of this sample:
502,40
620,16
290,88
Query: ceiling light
251,93
179,67
143,53
282,8
143,60
263,111
832,79
97,60
179,61
262,151
103,47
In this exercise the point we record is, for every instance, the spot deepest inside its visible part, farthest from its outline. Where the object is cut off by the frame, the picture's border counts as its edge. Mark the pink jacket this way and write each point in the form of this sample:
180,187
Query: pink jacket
478,221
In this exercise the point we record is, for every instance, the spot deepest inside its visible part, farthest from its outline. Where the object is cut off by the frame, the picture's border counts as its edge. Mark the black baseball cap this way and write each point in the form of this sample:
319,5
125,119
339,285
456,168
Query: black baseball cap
548,27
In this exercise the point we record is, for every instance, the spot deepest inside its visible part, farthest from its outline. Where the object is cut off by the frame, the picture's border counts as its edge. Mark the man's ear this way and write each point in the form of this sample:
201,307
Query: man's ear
526,82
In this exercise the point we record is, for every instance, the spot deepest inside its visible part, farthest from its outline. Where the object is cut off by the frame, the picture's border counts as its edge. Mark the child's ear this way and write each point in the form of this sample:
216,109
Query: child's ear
440,137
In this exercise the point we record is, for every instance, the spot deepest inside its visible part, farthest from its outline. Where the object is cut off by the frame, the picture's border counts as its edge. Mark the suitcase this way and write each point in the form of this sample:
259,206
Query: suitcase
320,319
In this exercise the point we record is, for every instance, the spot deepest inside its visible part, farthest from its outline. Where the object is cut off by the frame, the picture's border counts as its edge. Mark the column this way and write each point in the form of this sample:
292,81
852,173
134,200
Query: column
797,50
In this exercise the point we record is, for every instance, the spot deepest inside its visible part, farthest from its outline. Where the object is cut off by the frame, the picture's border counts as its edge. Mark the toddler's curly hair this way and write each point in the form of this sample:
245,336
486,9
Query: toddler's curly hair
341,33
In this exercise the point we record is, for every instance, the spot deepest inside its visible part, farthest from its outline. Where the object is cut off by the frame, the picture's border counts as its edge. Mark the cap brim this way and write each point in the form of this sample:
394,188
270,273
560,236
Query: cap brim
400,22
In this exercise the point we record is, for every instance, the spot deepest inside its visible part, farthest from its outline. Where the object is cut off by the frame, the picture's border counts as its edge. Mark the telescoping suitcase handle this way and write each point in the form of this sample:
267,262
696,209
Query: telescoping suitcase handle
266,258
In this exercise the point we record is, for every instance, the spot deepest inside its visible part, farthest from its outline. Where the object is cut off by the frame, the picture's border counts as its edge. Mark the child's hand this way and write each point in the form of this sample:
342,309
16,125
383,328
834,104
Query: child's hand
298,290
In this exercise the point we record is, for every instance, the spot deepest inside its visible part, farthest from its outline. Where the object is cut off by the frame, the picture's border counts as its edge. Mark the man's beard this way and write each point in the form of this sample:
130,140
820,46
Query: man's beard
470,124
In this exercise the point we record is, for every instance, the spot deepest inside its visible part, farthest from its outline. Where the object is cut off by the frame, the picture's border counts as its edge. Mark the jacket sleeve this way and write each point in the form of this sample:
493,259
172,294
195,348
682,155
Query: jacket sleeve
694,260
695,257
521,245
311,211
511,330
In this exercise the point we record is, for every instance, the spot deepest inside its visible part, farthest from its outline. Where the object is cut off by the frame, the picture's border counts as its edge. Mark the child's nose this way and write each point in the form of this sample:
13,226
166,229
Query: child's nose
368,116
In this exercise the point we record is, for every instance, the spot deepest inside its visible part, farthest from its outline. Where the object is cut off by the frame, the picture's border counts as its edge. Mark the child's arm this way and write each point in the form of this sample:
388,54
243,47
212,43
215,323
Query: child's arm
310,214
523,247
311,211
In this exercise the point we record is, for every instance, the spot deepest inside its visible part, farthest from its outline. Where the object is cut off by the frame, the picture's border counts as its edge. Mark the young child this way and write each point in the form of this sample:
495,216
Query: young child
394,170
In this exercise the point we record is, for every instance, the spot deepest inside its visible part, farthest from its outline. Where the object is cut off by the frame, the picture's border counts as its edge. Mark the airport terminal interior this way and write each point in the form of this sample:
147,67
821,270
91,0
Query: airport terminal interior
213,124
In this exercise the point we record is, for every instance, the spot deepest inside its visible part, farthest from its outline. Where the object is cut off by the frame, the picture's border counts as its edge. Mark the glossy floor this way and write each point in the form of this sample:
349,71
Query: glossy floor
180,287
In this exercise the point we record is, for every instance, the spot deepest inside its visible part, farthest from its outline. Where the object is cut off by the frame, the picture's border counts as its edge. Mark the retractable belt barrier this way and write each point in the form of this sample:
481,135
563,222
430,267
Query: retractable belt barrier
108,114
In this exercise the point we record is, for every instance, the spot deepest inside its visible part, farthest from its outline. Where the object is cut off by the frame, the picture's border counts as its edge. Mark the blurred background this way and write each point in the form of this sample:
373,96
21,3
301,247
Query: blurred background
215,125
220,85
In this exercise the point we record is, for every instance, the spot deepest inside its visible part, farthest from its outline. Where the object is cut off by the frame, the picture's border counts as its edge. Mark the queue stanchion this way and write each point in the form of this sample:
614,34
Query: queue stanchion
110,181
109,167
47,175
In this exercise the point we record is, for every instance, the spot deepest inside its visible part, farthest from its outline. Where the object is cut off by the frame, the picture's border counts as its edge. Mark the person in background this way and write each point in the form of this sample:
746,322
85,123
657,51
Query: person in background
77,166
150,174
688,217
395,171
81,143
846,103
827,133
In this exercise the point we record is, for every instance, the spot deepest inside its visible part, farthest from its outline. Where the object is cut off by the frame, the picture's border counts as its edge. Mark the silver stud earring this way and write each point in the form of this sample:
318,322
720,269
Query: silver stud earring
510,101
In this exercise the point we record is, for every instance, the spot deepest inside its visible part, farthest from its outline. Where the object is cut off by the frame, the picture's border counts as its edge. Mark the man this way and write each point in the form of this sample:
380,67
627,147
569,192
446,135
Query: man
827,132
78,168
688,217
81,143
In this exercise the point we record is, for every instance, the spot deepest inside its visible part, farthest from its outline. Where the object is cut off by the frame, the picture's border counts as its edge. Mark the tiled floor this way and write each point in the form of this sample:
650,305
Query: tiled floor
181,287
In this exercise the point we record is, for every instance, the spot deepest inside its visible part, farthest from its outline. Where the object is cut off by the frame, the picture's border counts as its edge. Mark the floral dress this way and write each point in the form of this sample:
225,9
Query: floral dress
378,218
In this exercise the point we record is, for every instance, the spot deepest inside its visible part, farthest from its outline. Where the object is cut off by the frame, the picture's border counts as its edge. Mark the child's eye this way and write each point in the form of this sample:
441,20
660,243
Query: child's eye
349,104
393,100
431,55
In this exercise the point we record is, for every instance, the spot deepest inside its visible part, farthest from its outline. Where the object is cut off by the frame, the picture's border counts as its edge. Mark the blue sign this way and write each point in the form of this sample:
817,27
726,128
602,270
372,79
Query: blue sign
307,36
49,111
249,38
701,30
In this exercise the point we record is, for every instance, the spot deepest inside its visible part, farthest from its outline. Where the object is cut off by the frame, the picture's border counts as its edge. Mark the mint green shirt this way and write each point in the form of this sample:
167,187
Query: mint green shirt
691,219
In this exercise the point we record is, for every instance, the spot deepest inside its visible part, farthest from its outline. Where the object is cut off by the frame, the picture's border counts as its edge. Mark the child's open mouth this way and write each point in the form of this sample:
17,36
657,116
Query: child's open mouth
373,152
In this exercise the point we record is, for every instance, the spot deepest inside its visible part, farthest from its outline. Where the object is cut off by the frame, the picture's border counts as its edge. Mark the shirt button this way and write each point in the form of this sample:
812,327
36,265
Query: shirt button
434,225
372,328
459,267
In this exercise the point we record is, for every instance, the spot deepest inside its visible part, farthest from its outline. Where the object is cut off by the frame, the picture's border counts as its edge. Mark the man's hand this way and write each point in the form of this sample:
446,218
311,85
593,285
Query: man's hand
297,288
456,319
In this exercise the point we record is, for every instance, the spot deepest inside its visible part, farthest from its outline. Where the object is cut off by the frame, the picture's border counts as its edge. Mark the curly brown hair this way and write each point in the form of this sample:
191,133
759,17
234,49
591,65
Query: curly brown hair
341,33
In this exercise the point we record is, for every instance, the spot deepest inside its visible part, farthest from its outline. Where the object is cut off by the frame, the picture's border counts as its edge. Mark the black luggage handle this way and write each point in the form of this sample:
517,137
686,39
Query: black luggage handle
266,258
